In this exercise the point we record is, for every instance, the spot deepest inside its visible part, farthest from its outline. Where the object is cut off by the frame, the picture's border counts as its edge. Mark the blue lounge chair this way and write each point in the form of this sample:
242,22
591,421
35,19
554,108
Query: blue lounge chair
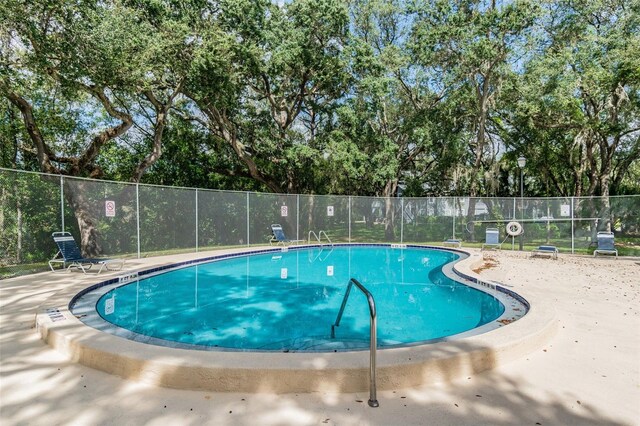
278,236
492,239
69,253
605,244
544,251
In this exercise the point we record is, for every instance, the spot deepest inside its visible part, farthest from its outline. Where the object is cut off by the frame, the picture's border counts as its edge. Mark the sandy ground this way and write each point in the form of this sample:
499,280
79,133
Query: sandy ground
588,374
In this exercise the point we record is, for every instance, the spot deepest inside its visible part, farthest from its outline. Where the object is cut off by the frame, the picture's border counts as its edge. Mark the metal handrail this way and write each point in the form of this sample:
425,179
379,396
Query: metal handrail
326,236
373,401
318,237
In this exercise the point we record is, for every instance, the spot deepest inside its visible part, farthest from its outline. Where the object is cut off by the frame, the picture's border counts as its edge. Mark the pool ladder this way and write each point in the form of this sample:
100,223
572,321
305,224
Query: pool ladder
318,237
373,401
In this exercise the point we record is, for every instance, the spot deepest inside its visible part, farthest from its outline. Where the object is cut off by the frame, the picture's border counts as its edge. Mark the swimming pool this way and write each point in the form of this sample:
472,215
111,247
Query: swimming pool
286,301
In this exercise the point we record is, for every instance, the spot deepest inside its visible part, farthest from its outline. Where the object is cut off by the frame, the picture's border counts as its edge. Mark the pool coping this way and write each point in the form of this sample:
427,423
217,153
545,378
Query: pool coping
277,372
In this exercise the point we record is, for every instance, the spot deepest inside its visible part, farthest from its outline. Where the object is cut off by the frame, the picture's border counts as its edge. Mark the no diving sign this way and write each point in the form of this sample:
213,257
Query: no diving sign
110,208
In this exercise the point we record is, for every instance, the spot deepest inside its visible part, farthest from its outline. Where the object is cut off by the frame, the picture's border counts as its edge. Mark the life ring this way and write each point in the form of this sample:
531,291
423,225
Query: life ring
514,229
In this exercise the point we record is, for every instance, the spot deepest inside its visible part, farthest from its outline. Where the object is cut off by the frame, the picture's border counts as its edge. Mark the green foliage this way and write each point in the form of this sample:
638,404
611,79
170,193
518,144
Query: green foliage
29,213
577,114
328,95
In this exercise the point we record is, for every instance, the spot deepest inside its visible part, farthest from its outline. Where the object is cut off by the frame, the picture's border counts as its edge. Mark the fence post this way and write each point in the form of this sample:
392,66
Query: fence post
349,218
455,211
248,243
138,216
401,220
513,239
197,220
62,201
298,217
572,226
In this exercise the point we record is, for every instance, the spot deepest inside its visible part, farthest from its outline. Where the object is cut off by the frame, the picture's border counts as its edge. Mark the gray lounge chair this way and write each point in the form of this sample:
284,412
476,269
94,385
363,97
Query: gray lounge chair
605,244
278,236
69,253
492,239
545,251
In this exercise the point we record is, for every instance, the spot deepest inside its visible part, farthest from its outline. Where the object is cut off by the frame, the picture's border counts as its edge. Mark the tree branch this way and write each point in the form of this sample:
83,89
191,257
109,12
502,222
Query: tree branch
162,114
220,125
108,134
32,129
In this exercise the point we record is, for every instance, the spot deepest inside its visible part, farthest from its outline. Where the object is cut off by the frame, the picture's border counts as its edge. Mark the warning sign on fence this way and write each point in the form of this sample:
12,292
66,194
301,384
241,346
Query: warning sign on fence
284,212
110,208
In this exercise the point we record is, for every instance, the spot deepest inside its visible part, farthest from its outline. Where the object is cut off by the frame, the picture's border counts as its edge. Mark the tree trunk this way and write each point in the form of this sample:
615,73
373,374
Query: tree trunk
548,241
81,207
310,223
605,210
19,231
390,216
3,200
471,209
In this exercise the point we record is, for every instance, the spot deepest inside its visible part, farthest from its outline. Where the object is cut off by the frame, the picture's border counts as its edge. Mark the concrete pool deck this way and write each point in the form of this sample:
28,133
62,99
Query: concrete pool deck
585,373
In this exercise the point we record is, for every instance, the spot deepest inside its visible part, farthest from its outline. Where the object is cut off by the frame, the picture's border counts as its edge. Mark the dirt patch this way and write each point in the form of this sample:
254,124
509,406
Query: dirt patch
488,264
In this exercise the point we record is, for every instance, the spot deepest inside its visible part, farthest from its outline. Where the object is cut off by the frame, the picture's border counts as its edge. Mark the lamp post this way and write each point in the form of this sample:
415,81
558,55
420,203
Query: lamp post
521,163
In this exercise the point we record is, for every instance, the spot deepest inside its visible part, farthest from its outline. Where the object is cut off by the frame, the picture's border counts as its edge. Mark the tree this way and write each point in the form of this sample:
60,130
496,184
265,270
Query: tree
469,47
386,119
580,107
258,72
323,96
87,61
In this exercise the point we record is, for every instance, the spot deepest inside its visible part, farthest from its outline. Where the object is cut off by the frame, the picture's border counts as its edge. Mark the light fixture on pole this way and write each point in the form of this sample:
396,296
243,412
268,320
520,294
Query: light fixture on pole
521,163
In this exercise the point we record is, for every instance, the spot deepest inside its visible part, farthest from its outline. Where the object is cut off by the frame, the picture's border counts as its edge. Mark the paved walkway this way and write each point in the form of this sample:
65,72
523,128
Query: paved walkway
588,374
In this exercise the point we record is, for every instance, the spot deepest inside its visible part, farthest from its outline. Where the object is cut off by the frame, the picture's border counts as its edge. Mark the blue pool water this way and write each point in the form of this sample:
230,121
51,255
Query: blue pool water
287,301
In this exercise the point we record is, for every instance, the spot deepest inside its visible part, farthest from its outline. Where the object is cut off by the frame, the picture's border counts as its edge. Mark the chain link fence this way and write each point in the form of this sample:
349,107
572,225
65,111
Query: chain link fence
117,219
